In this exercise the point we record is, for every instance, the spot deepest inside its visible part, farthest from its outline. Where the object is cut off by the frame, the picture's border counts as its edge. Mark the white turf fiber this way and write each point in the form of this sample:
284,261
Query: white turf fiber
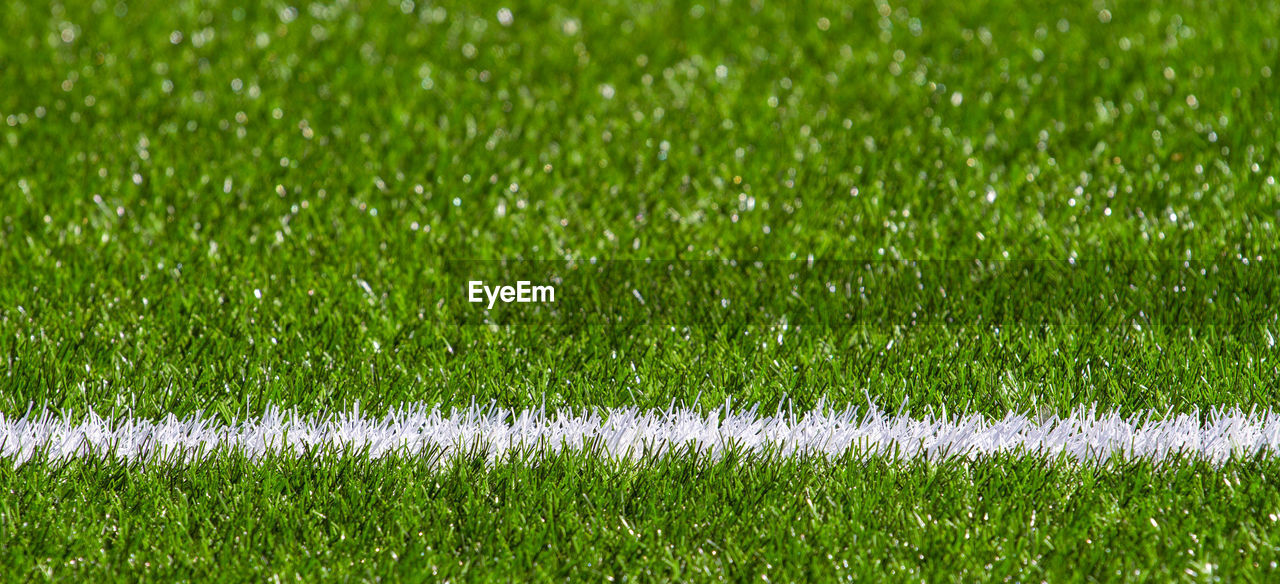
1086,435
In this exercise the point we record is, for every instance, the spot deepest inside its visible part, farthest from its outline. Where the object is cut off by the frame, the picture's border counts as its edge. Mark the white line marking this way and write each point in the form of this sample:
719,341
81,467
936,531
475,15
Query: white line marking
1086,435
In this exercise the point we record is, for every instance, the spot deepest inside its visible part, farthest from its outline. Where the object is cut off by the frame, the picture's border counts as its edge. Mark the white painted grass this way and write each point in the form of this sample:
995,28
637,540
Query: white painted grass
1086,435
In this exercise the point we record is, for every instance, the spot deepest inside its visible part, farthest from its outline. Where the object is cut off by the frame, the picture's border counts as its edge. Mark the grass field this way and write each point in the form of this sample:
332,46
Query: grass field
236,209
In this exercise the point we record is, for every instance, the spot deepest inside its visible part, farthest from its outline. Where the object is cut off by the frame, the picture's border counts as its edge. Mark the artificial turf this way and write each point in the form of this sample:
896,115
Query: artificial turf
576,516
226,208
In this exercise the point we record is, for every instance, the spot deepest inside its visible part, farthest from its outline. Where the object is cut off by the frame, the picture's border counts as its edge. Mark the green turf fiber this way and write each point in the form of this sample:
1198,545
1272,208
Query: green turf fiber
215,207
573,516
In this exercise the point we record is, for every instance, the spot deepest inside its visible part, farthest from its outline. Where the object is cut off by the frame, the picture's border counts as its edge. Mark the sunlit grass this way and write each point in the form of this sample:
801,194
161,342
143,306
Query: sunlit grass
207,207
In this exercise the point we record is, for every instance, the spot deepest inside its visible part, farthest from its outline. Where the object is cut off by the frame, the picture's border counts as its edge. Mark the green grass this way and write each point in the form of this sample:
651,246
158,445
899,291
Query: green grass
219,208
311,177
574,516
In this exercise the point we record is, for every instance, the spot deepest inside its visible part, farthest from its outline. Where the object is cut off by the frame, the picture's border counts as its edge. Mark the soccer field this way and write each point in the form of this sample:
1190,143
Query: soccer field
407,291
